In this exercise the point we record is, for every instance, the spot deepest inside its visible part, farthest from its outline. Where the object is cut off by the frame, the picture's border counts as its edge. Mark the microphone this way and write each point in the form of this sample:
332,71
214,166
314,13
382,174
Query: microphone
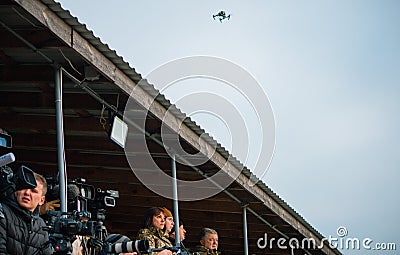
72,191
139,246
7,159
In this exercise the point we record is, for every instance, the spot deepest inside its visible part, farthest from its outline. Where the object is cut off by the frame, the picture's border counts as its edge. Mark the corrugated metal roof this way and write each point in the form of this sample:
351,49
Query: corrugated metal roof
136,77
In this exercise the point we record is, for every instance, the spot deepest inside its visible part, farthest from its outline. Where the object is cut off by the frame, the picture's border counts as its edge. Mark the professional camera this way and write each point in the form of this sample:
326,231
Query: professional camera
23,178
140,246
75,223
117,243
86,214
64,227
103,199
82,196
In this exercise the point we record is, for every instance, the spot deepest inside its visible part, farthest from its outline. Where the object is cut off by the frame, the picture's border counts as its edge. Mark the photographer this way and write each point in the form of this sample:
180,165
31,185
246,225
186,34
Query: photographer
20,225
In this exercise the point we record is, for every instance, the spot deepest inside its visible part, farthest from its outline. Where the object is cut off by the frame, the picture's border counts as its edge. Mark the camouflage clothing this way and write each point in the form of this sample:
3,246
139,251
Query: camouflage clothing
204,251
155,236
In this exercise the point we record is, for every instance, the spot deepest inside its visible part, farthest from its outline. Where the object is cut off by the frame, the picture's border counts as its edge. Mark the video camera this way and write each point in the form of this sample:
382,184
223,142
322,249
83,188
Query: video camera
82,196
63,227
85,216
23,178
74,224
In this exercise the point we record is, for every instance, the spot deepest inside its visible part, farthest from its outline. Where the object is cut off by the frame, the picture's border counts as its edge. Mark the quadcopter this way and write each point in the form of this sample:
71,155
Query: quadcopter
221,16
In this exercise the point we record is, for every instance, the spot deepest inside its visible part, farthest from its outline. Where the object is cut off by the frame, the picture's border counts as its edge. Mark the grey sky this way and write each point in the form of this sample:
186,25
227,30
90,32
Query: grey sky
331,70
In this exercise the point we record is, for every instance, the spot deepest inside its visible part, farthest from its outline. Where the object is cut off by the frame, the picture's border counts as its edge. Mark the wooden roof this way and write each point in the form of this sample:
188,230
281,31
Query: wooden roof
37,36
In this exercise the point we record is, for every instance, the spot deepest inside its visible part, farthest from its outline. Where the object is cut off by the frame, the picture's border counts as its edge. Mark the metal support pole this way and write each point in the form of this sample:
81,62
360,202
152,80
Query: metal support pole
62,174
245,238
175,197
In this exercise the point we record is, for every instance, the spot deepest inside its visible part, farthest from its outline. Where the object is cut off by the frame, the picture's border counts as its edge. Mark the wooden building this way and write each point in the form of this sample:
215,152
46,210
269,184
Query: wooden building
41,43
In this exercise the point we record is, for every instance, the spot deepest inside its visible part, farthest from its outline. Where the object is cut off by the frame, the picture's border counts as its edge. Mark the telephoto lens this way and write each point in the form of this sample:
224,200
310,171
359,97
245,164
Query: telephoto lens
116,243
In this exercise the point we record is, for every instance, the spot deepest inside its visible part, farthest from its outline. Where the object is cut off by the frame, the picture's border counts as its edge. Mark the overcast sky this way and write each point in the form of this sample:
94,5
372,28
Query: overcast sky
331,70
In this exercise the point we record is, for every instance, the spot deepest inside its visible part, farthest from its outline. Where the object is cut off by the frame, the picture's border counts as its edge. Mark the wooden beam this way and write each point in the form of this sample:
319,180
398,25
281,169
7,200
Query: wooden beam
40,38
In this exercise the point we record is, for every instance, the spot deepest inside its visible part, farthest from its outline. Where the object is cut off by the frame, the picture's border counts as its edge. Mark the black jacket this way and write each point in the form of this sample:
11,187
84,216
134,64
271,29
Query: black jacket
21,231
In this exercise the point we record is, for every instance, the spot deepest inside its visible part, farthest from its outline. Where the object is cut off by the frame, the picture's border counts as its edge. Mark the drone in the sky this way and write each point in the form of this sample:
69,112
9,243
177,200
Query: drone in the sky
221,16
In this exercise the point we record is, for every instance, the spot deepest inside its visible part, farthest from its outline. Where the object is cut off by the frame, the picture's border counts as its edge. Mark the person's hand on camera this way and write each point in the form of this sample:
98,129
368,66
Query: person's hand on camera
49,206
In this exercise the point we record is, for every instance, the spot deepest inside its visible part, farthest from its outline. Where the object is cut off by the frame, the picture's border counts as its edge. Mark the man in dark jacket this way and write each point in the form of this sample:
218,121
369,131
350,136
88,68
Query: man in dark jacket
21,230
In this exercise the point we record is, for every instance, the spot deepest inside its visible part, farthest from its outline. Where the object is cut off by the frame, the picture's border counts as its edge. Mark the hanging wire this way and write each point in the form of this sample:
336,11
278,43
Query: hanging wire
103,120
117,100
69,62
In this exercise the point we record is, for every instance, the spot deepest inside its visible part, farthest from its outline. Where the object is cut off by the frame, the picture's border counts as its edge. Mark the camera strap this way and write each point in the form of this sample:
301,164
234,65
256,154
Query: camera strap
1,211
